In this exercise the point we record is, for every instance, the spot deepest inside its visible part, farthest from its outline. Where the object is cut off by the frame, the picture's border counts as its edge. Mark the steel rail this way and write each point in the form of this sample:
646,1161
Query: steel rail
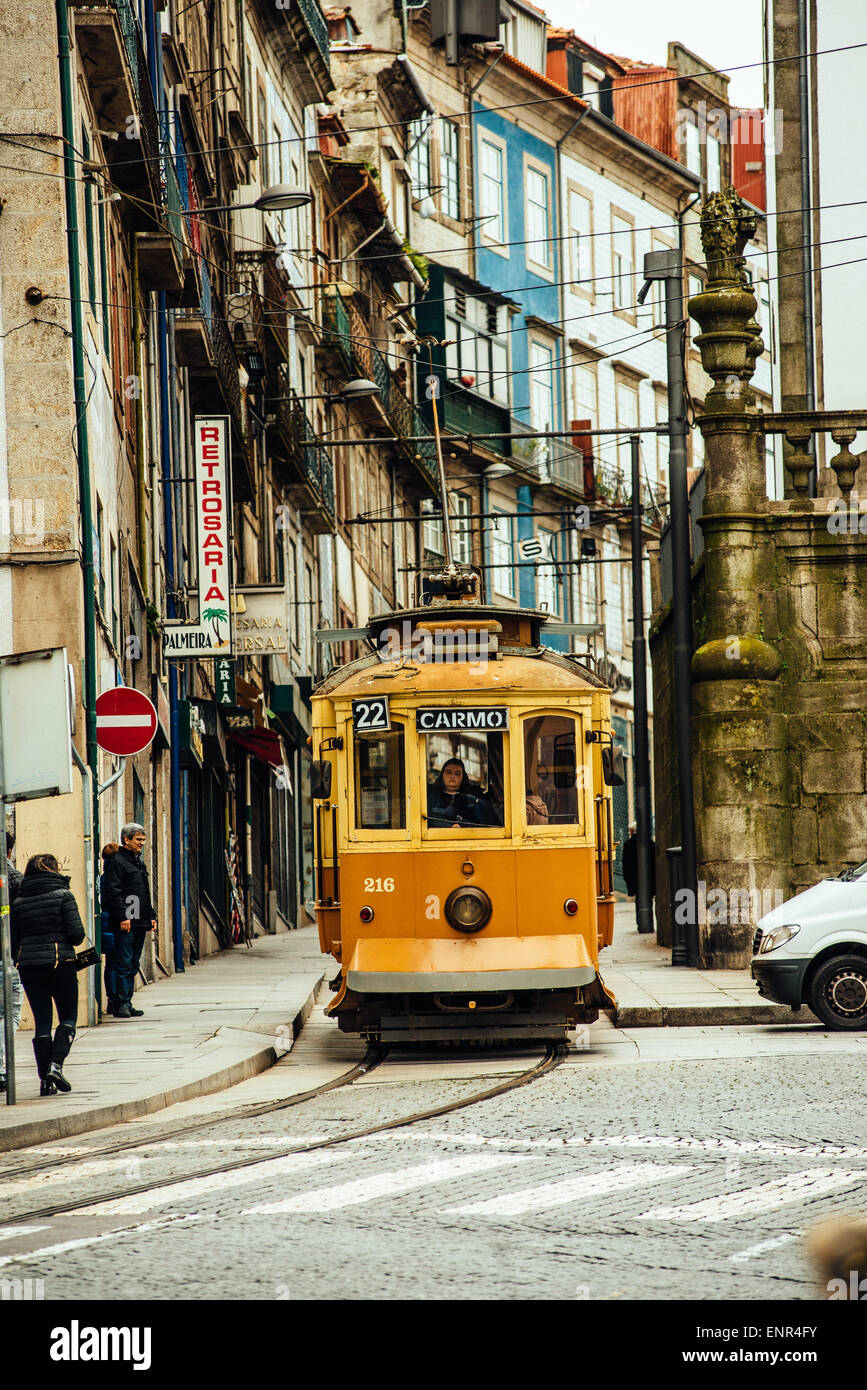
554,1055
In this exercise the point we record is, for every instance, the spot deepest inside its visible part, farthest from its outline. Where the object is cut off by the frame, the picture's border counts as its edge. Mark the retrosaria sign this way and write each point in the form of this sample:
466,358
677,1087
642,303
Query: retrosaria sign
212,634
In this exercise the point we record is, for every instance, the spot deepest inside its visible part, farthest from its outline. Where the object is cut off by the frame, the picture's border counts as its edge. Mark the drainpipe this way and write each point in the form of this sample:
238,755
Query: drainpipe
806,214
558,203
141,487
168,507
471,162
84,476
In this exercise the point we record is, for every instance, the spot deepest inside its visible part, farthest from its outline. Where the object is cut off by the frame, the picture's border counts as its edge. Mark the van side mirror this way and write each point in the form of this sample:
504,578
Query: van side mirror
613,768
320,779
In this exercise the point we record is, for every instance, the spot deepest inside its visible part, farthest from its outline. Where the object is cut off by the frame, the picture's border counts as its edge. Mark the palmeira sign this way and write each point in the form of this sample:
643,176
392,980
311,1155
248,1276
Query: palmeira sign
211,635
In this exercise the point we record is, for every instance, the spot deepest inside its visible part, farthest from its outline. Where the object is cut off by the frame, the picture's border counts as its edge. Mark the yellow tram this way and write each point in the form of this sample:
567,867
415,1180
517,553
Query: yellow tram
463,837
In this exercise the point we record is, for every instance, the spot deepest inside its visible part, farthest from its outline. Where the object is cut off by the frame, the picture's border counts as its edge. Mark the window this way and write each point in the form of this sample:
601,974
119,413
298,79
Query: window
626,406
581,240
695,285
100,554
587,591
714,164
418,156
547,584
492,194
551,770
613,596
541,385
502,554
115,626
585,379
264,158
538,228
623,260
88,227
692,145
461,528
662,442
380,780
525,38
477,354
450,171
465,784
763,294
432,526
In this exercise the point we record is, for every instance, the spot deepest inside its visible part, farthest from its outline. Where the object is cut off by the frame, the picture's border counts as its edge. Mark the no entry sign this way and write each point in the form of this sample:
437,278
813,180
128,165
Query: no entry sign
126,721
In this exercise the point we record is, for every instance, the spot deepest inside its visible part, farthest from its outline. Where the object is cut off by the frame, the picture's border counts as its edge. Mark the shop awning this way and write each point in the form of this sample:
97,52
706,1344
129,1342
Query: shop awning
262,743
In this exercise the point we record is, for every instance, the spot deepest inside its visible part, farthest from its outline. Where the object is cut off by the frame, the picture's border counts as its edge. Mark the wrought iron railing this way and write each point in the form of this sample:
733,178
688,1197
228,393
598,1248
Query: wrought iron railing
173,201
345,325
309,457
315,21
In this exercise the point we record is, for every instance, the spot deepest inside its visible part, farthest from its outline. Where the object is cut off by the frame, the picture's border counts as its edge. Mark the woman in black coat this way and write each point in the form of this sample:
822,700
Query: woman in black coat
46,928
453,800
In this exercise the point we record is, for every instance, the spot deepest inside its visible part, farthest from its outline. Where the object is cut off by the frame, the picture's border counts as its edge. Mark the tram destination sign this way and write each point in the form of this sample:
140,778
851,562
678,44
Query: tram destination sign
453,719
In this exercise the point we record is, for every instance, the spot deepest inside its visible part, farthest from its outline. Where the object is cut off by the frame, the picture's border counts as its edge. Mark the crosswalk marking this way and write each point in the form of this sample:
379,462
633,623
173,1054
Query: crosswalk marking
185,1189
11,1232
81,1242
796,1187
68,1173
388,1184
763,1246
557,1194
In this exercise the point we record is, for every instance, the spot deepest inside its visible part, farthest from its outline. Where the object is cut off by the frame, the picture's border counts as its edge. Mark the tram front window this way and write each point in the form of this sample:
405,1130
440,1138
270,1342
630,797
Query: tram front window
464,780
550,770
380,781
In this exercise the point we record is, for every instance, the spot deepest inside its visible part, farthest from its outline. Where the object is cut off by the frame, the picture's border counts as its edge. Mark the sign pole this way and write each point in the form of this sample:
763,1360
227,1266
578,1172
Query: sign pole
6,942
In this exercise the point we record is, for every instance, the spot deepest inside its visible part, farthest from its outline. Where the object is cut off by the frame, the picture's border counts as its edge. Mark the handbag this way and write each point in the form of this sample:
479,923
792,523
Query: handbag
83,959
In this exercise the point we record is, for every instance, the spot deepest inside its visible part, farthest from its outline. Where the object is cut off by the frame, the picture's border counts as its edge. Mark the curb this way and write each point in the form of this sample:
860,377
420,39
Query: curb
709,1015
41,1131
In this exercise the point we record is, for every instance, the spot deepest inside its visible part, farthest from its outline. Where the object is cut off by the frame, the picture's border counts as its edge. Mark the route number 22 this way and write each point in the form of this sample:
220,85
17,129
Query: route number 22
379,885
368,715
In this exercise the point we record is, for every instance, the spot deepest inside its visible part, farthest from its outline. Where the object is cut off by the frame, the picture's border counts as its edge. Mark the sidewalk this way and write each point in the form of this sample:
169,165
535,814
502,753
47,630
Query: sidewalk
202,1031
652,993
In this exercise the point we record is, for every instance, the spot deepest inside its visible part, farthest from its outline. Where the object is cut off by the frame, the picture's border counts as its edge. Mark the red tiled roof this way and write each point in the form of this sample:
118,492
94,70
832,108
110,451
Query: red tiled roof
543,80
557,33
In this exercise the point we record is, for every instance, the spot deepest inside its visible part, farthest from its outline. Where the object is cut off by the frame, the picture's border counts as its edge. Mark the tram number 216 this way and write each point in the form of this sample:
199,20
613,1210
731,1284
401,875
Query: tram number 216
379,885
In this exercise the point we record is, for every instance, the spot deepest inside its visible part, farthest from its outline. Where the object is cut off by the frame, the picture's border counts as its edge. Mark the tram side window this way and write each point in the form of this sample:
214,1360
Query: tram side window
551,770
465,787
380,781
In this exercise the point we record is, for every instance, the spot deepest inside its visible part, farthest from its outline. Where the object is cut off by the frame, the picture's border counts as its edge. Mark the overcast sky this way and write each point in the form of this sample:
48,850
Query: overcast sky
643,28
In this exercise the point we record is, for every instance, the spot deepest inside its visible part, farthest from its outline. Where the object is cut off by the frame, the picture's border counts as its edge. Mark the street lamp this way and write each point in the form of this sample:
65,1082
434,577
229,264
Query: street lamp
359,389
278,198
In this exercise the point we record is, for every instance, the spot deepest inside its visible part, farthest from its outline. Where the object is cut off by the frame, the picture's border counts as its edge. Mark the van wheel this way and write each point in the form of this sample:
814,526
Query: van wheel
838,992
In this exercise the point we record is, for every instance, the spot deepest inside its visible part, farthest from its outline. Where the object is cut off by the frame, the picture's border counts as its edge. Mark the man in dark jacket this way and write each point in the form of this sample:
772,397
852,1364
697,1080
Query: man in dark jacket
126,898
630,867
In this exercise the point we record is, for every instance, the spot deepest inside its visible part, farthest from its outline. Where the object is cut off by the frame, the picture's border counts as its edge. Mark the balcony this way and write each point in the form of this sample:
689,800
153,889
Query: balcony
304,24
306,465
347,337
203,344
109,42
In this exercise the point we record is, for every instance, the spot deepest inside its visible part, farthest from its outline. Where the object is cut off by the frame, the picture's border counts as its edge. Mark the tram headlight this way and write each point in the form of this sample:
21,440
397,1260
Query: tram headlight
468,909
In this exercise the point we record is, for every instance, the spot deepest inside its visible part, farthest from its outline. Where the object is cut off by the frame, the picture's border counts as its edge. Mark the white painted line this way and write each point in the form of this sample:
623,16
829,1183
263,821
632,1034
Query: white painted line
773,1244
185,1189
388,1184
558,1194
68,1173
753,1147
10,1232
797,1187
66,1245
124,721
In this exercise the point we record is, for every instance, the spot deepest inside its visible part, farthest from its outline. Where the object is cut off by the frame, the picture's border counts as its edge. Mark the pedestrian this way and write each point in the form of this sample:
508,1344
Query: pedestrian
46,928
126,896
13,878
630,867
107,937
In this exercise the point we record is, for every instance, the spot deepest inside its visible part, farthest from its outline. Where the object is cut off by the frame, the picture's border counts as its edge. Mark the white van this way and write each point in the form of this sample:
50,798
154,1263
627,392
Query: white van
813,950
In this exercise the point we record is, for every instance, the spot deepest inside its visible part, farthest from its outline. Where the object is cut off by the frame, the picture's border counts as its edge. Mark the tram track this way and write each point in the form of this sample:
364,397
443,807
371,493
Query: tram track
554,1054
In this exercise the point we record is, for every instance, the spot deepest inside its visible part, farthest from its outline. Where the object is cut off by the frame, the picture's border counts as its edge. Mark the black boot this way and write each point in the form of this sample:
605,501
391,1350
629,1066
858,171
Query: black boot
42,1053
63,1039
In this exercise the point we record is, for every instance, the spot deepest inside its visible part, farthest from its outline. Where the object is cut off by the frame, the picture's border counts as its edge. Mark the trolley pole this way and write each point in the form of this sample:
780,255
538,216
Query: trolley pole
644,894
668,267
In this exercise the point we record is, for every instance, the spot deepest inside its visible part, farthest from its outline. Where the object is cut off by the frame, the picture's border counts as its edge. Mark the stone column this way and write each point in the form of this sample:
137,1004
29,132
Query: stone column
740,772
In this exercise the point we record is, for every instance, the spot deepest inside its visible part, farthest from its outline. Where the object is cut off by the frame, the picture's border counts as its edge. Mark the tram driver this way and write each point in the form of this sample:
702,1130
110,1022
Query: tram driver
454,801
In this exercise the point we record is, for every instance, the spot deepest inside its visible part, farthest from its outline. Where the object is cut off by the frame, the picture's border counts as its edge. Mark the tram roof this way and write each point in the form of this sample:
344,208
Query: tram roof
511,674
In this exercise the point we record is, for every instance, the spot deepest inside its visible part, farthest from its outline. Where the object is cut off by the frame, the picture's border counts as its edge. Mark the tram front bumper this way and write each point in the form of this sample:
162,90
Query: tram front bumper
412,965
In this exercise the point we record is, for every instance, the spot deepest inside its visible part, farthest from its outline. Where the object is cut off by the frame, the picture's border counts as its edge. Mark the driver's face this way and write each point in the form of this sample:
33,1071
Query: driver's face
452,777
